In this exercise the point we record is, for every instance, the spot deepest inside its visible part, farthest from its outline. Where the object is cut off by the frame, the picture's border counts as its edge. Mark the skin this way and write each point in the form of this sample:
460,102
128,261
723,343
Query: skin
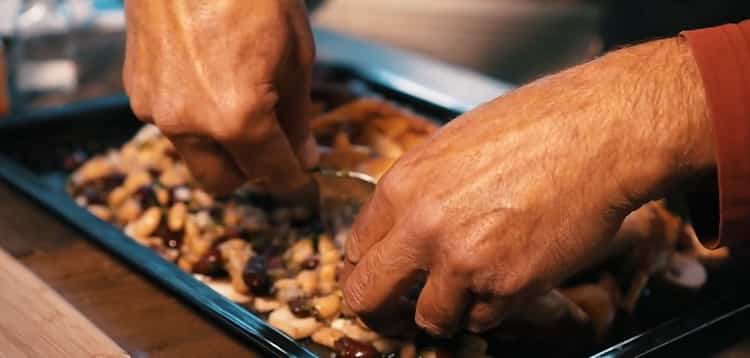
501,204
508,200
228,82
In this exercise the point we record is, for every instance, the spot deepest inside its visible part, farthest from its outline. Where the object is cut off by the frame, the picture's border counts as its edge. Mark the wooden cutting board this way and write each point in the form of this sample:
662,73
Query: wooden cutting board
37,322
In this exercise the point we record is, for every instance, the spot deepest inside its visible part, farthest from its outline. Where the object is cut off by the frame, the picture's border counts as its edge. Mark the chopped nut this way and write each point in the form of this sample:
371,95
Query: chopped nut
101,211
386,345
236,253
147,223
287,289
353,330
300,252
327,278
408,350
326,336
297,328
177,216
263,305
95,168
202,198
308,281
135,181
227,290
327,306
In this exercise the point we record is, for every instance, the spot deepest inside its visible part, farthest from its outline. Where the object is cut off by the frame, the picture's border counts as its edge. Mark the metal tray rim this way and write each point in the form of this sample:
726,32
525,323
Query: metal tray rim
242,321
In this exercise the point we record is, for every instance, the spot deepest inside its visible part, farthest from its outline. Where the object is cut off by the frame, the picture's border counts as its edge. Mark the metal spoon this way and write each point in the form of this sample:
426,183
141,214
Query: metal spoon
342,193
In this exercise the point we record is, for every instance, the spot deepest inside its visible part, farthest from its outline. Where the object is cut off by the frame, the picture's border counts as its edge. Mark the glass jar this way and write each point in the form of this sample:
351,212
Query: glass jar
43,54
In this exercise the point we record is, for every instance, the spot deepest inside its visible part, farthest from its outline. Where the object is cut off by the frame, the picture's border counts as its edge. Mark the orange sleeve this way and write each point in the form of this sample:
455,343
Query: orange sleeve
723,57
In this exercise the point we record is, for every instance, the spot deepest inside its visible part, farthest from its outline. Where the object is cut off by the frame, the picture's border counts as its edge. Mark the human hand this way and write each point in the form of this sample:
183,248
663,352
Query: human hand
508,200
228,82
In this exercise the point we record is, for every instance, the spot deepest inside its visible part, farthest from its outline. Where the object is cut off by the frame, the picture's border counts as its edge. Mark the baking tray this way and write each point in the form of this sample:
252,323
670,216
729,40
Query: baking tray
33,149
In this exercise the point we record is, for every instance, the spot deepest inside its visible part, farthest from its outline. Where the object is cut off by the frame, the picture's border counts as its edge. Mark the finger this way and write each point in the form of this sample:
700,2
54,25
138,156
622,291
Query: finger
303,32
372,224
294,117
486,314
377,284
209,164
293,109
442,303
264,155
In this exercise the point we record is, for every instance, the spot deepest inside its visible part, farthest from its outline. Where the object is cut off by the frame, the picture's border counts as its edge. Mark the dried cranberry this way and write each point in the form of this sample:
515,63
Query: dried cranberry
74,160
171,239
172,153
346,347
103,185
111,181
310,264
236,232
155,173
147,196
217,213
256,276
93,195
301,308
275,262
210,263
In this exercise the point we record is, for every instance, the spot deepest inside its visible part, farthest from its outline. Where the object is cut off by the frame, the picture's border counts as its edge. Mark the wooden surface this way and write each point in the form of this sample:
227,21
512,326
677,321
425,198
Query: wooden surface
36,322
138,315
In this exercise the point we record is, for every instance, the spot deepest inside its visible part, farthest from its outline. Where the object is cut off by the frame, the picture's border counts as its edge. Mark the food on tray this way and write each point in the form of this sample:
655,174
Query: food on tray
277,262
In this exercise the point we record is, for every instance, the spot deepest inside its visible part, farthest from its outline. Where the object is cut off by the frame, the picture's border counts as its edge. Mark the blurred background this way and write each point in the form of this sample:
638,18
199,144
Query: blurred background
58,51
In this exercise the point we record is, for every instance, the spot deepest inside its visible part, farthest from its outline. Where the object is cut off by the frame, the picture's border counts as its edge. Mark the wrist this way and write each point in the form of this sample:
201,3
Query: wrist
672,135
690,141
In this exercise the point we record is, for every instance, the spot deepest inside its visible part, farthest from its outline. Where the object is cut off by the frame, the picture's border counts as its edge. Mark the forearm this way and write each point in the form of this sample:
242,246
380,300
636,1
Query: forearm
647,107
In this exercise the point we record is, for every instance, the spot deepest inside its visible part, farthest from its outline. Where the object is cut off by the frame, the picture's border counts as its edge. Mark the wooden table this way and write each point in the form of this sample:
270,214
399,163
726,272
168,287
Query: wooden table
136,313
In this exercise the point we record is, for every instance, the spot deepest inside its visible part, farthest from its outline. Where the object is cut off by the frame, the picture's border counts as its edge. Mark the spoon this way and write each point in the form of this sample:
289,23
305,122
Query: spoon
341,194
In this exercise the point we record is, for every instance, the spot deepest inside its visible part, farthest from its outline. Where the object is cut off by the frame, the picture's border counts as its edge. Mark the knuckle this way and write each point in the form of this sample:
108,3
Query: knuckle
461,263
228,128
511,285
391,188
249,120
493,284
429,219
140,106
171,118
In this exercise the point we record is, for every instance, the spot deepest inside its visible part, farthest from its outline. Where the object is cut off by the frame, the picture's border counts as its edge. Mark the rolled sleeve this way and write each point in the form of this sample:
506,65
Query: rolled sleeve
722,54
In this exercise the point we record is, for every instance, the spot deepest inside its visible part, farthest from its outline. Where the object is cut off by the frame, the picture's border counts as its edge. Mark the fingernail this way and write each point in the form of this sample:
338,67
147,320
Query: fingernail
309,155
429,327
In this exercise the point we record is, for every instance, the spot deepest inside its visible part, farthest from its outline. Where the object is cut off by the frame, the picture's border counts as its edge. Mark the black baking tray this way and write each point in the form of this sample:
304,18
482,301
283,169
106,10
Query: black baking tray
33,153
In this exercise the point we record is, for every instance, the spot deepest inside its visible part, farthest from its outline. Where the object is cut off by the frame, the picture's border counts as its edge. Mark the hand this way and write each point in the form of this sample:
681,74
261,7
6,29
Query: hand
229,83
508,200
